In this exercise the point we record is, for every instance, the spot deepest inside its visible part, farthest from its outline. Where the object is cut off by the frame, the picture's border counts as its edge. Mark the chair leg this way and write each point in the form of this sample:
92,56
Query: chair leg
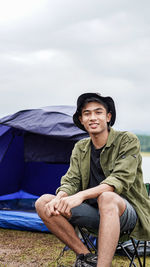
87,240
144,256
136,252
91,246
128,255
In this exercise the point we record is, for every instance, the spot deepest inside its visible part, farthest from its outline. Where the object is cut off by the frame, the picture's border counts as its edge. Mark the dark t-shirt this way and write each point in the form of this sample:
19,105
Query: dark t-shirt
96,172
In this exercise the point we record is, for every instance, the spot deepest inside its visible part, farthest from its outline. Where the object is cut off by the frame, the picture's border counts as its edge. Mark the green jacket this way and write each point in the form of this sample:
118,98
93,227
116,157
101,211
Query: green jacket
121,163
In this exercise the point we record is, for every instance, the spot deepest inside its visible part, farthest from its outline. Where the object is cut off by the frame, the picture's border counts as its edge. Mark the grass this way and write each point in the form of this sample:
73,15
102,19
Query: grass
34,249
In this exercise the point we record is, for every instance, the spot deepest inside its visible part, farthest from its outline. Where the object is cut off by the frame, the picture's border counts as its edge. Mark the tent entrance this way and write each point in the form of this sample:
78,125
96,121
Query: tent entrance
35,149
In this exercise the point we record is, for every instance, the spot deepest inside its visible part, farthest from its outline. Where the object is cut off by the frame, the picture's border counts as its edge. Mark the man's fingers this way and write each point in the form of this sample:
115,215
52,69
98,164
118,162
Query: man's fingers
67,211
57,207
47,210
62,207
50,210
67,215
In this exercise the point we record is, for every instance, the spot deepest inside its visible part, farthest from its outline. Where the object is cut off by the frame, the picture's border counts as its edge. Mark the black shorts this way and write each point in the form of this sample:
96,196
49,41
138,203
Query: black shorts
88,216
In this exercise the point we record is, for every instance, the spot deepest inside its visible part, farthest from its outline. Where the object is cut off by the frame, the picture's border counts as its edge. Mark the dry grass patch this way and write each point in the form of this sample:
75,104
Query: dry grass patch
34,249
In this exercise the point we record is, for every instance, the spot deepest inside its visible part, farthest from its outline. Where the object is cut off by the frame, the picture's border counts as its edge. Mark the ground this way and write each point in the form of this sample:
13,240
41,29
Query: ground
34,249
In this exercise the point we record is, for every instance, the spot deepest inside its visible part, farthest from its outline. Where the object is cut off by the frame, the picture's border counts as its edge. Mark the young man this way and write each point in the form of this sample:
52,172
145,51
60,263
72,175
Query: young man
103,188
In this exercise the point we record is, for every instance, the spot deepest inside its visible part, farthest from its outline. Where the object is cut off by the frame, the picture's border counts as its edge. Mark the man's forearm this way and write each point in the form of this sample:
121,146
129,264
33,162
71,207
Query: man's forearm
61,194
95,191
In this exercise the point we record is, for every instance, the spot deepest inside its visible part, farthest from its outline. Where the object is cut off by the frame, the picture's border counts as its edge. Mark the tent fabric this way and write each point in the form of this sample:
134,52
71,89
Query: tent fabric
5,139
46,132
54,121
21,220
42,178
35,149
3,129
12,167
18,195
47,149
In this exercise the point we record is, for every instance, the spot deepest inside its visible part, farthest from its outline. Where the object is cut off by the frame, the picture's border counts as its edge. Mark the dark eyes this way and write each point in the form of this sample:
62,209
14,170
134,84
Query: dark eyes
88,113
99,112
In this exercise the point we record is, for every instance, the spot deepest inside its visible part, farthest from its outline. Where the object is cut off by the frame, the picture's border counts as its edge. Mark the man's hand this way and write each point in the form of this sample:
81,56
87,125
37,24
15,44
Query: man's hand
50,207
65,204
62,203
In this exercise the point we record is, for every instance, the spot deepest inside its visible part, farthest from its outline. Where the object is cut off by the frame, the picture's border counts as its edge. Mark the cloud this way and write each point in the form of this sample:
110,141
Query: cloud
51,51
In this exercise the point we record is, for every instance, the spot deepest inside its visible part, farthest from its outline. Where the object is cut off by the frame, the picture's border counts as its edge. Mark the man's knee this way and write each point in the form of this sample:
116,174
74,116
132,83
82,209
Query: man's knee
42,201
110,201
106,198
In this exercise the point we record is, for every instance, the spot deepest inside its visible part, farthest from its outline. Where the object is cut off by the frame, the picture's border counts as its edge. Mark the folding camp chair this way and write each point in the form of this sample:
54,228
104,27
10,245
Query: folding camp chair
86,236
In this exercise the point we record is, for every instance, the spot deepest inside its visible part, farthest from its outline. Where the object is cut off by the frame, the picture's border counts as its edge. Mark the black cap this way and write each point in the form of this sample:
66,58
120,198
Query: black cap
108,101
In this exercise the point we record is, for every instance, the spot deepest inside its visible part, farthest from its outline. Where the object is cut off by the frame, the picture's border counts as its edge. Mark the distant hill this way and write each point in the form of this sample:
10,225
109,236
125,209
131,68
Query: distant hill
145,142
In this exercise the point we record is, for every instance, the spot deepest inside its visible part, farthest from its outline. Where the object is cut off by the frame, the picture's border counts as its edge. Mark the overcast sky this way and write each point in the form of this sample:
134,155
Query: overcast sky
51,51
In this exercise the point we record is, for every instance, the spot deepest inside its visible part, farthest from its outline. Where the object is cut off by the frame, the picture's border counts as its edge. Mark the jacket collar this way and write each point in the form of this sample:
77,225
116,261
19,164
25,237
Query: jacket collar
85,145
111,137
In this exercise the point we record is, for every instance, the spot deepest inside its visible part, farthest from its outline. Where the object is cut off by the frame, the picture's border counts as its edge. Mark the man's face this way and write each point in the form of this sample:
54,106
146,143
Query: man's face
94,118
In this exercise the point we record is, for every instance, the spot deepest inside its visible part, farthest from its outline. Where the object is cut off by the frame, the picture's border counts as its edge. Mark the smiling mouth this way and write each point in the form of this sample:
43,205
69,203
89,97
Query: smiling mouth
93,125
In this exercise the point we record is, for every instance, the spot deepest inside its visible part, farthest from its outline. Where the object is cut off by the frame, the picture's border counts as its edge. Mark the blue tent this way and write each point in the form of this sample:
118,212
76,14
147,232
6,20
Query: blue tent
35,149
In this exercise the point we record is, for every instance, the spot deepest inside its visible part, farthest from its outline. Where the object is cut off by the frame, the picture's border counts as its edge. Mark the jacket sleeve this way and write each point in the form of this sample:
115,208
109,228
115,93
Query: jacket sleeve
71,181
125,167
